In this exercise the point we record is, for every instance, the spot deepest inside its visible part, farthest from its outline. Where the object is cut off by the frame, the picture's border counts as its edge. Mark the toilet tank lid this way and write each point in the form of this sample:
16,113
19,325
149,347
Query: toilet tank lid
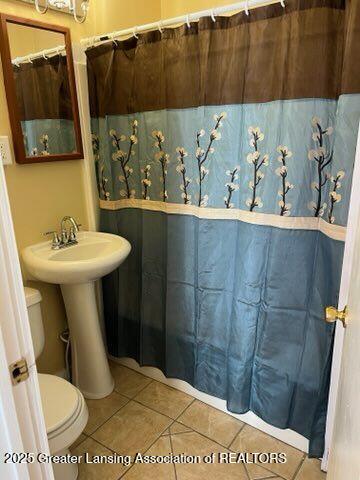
32,296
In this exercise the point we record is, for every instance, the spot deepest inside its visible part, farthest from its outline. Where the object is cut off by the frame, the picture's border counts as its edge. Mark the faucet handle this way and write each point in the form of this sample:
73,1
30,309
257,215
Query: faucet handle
55,241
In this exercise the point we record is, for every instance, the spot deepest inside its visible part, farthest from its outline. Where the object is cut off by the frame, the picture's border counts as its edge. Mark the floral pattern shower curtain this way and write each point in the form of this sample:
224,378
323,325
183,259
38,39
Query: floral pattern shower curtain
224,154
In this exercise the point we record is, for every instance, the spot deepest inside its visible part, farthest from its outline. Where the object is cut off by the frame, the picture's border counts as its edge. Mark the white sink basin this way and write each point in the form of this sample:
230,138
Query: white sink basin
96,255
76,268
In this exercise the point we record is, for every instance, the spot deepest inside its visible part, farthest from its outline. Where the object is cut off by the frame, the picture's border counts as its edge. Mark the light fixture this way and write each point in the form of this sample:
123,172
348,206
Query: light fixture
71,5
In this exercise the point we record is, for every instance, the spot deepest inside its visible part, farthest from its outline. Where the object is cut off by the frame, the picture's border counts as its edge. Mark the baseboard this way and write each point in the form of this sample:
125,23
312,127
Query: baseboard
288,436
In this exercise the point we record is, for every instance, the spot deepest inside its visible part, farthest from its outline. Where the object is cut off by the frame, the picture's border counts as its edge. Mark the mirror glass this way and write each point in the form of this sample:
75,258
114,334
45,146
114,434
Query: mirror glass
42,86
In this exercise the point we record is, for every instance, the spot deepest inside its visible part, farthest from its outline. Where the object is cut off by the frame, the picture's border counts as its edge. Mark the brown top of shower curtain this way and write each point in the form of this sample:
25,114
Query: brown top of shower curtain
43,90
310,49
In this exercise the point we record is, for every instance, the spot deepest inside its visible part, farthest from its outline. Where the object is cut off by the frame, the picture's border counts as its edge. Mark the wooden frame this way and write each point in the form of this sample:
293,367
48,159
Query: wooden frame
14,114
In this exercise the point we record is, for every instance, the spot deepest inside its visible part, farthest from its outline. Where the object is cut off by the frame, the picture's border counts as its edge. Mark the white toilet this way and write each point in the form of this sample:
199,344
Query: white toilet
64,407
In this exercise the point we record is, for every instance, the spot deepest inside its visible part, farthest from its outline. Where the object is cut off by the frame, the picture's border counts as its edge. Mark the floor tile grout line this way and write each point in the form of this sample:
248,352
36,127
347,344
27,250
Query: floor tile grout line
179,433
246,472
236,435
205,436
299,467
137,393
172,451
262,466
267,468
168,386
103,423
157,438
157,411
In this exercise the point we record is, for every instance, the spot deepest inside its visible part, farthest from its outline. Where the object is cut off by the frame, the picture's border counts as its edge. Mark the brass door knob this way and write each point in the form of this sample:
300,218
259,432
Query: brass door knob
332,314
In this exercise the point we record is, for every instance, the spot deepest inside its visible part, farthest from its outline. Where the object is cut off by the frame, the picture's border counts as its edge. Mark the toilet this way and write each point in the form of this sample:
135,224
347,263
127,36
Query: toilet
64,407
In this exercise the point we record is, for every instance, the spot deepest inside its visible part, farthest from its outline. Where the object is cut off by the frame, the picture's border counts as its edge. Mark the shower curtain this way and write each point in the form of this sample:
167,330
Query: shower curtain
224,153
44,100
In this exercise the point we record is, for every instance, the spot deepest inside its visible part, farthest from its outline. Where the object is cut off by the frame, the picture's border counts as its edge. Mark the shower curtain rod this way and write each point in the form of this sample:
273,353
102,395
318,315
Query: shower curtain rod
43,53
191,17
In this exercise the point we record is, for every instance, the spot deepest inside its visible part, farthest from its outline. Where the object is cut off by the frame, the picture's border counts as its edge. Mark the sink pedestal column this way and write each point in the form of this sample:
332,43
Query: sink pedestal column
90,367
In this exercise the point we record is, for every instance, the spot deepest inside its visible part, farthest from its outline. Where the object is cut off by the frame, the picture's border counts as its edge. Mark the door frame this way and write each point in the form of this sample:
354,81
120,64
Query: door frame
350,239
21,416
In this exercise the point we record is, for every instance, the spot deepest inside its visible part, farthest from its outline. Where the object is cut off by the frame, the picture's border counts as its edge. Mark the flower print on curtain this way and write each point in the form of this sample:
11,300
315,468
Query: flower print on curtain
237,201
257,161
282,171
322,156
163,158
124,157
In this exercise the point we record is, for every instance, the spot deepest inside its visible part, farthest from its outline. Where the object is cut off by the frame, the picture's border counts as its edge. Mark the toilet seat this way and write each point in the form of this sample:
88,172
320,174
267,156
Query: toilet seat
65,411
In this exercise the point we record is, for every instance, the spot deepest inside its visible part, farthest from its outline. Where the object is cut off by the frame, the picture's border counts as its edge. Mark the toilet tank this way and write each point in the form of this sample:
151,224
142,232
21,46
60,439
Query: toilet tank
33,299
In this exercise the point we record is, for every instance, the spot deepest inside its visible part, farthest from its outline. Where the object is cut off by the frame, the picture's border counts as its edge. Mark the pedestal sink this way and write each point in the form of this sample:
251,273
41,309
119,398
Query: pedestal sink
76,268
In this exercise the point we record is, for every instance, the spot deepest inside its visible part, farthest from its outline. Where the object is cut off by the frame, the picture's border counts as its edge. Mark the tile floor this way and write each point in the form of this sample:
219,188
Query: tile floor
146,416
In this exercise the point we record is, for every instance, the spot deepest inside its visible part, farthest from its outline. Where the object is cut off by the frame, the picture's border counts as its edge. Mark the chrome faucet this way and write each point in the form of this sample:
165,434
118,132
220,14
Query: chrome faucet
67,237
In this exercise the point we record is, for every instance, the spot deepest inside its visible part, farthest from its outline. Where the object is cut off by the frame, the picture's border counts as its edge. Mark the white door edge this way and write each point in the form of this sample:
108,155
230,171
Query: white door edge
22,415
353,219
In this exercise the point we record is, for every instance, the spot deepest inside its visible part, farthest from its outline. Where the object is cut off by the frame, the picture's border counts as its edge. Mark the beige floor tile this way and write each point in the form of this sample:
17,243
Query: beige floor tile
179,428
164,399
211,422
252,440
78,441
127,381
259,473
102,409
195,444
159,471
310,470
132,429
100,471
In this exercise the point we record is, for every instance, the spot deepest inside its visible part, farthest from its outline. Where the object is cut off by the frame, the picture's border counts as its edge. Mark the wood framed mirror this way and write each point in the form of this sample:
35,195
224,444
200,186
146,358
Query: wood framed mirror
40,90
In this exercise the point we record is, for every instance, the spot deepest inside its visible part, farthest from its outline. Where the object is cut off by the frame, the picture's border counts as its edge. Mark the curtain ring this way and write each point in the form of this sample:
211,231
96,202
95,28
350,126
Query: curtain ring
44,56
212,14
159,26
29,59
282,3
112,37
188,21
247,7
37,6
135,34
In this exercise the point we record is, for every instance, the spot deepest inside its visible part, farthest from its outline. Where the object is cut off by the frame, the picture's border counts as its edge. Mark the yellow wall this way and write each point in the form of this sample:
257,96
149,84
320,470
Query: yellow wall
111,15
174,8
26,40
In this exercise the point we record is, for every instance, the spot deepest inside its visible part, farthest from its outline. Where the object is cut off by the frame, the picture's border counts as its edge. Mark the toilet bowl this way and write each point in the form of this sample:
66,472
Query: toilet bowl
64,407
